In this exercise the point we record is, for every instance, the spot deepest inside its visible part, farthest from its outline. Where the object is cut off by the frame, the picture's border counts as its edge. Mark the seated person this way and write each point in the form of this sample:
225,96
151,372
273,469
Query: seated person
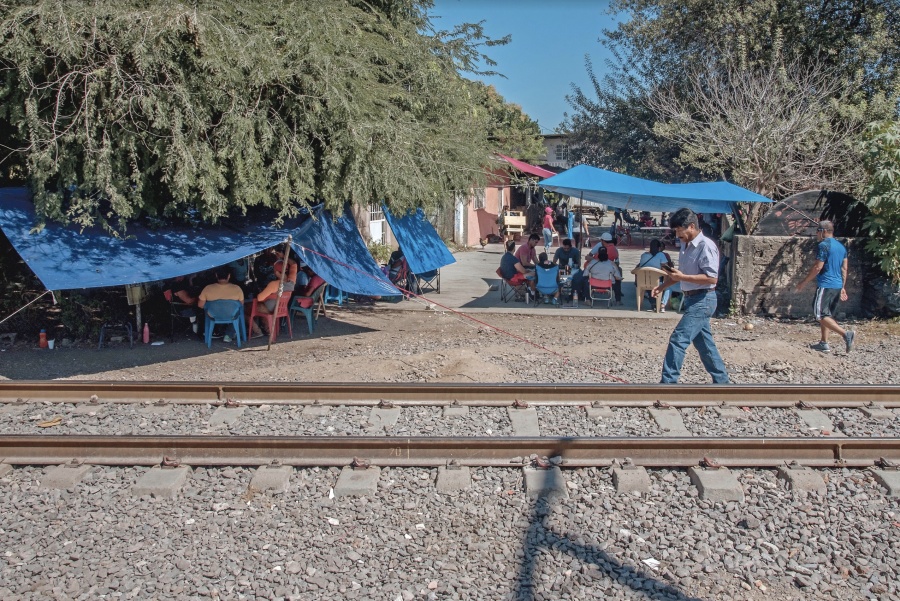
526,253
184,290
185,293
511,267
313,281
606,241
567,257
600,268
222,289
656,258
263,271
398,269
268,298
544,262
240,272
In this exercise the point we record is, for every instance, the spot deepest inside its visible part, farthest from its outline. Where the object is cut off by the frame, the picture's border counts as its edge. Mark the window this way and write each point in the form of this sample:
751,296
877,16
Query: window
478,198
375,213
562,152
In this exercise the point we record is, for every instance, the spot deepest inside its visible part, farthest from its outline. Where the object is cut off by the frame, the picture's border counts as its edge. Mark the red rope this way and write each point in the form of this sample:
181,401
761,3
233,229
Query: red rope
565,358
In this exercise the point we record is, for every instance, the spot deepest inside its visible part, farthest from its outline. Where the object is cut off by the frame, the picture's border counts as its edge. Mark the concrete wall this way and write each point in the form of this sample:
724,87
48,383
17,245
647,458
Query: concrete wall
766,269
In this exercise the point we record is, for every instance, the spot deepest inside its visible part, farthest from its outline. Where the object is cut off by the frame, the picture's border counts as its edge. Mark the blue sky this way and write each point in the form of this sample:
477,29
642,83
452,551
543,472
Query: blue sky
546,56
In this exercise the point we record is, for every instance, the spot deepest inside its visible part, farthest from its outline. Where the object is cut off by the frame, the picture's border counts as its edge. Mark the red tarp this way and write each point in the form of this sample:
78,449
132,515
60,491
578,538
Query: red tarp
526,168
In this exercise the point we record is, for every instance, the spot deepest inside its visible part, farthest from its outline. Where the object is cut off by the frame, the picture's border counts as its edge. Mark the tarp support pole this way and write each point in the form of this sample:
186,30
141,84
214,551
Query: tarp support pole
284,268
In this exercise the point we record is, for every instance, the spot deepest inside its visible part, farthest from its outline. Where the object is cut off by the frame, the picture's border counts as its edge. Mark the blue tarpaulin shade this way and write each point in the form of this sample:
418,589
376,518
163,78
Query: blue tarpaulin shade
423,248
66,257
627,192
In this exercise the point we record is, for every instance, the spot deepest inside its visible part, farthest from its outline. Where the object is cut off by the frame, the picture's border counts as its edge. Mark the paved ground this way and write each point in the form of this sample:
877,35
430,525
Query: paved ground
471,285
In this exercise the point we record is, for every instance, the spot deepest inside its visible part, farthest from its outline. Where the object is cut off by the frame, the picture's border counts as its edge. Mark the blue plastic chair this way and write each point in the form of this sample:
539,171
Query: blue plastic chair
224,311
335,294
547,280
311,312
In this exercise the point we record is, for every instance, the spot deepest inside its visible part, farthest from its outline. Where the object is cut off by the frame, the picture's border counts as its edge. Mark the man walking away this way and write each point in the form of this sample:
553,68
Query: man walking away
698,261
830,271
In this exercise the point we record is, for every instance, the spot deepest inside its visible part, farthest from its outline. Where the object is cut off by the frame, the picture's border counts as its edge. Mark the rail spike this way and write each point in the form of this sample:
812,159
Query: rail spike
710,463
360,464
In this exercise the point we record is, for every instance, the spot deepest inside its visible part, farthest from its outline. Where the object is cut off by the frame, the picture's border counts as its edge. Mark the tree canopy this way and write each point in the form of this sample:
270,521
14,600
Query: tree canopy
114,110
881,157
687,55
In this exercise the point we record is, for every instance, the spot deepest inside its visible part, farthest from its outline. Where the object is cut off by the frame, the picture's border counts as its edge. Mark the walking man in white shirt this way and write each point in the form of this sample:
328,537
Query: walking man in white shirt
698,272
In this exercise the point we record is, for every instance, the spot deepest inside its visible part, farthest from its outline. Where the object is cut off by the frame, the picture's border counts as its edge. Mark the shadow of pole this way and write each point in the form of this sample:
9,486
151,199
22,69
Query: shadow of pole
540,538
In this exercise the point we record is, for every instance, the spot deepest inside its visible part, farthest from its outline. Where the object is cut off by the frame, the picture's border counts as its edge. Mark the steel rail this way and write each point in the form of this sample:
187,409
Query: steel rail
326,451
611,395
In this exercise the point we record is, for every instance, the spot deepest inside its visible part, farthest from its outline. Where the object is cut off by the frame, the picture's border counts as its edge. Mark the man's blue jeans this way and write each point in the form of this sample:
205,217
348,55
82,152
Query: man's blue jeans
694,327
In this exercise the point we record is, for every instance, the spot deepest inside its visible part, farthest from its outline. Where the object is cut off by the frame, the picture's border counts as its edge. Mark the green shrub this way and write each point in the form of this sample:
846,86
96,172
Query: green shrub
380,252
882,162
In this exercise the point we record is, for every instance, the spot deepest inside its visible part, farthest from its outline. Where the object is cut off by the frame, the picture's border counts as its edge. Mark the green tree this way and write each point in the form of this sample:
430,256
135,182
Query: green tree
881,157
110,111
665,44
510,130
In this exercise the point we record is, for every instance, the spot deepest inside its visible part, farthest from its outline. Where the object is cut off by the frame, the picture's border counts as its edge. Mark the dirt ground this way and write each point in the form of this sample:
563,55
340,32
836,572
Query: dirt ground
359,344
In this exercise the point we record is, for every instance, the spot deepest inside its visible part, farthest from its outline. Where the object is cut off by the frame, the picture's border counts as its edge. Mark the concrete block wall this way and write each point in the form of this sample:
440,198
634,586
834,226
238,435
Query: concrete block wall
766,269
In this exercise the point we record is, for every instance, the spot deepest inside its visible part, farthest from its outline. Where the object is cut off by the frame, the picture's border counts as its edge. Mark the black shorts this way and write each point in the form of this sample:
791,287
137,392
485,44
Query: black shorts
826,301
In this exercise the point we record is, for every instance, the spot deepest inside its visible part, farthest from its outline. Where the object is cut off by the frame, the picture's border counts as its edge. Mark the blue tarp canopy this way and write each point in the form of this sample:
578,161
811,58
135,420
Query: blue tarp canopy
66,257
423,248
627,192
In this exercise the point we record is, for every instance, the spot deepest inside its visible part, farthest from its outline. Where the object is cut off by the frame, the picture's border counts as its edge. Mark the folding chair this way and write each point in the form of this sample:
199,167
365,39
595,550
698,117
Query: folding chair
224,311
509,291
599,288
178,311
402,278
309,306
430,281
281,311
547,281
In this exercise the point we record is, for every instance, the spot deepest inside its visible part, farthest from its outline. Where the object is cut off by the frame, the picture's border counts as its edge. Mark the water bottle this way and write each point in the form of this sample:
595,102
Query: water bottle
146,333
43,339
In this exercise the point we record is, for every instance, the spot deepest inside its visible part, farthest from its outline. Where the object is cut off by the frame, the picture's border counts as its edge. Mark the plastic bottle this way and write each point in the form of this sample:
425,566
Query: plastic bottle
146,333
43,339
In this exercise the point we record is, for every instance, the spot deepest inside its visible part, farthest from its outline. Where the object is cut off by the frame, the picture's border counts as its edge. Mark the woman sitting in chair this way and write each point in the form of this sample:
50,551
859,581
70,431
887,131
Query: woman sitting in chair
269,295
600,268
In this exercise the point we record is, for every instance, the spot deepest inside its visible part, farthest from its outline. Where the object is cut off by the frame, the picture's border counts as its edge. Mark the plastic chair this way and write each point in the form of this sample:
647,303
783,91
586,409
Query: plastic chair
309,306
509,291
599,288
430,281
647,278
335,294
224,311
280,311
547,281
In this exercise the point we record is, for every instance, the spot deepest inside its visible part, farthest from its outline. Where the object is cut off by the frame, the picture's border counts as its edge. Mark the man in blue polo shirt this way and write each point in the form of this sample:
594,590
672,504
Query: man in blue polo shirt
830,272
698,272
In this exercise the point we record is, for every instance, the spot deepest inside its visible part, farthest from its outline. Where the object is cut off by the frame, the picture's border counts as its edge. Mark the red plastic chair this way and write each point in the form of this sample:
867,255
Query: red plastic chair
280,311
601,290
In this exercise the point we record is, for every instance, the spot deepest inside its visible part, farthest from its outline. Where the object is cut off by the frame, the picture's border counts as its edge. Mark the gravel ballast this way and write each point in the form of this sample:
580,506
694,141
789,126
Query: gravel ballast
219,540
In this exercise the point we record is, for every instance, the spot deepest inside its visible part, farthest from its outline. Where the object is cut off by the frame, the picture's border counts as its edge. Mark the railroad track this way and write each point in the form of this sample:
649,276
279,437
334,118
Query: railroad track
608,395
512,451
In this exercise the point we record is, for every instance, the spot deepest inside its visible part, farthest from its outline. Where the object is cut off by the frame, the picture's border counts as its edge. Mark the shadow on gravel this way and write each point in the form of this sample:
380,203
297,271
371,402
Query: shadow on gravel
541,539
27,362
